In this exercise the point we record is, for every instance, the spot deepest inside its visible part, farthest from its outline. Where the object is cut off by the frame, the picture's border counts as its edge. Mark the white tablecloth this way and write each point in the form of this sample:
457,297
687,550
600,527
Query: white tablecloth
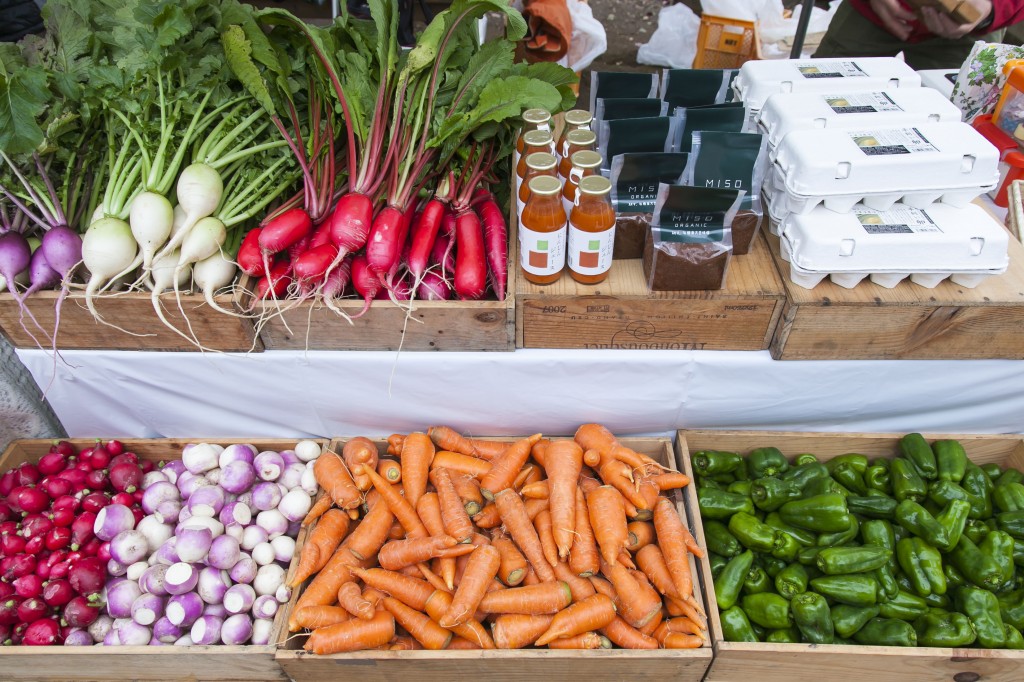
292,394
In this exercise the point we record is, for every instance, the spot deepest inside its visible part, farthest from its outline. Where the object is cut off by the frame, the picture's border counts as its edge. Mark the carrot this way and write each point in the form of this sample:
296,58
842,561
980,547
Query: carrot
564,461
641,534
483,565
524,476
371,533
375,597
538,490
395,442
542,523
425,631
589,483
359,451
449,439
398,554
513,563
429,510
319,508
440,602
671,480
321,544
680,625
323,590
677,640
628,637
608,520
547,597
671,539
331,475
488,517
410,591
417,454
590,614
465,464
400,507
487,449
517,523
653,624
350,598
505,468
618,475
534,507
462,644
453,513
675,607
403,643
649,491
469,492
586,640
531,577
638,602
352,635
389,470
592,458
652,563
516,630
432,578
581,587
597,437
584,559
313,617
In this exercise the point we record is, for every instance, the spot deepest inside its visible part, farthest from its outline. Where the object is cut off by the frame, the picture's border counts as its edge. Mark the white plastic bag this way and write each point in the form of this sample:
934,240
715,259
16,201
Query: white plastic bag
674,43
589,40
773,28
744,10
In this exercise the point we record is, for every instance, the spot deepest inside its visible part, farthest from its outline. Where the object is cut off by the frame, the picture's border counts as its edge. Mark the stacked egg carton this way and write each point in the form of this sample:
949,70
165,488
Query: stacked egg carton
872,176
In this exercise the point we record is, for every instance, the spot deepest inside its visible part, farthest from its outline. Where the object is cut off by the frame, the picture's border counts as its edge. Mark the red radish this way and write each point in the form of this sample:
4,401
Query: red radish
27,474
52,463
82,529
123,498
424,237
6,590
43,632
34,525
480,195
32,609
18,633
249,258
75,475
11,544
138,495
7,483
58,538
146,466
364,282
66,502
92,548
59,570
28,586
314,262
56,487
9,611
43,570
298,248
62,517
6,513
35,546
126,456
57,592
16,566
33,500
96,479
114,447
321,235
279,274
284,230
5,635
87,575
496,244
81,612
433,288
63,447
99,458
470,265
351,221
384,244
93,502
138,513
104,552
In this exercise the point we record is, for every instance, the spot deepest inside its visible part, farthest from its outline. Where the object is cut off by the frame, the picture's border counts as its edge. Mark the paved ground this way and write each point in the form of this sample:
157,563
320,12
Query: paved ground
22,413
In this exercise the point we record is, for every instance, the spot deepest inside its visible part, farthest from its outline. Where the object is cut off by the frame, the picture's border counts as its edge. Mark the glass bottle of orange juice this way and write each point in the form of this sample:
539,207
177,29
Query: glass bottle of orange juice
533,119
591,238
534,141
542,232
538,163
577,141
577,119
584,164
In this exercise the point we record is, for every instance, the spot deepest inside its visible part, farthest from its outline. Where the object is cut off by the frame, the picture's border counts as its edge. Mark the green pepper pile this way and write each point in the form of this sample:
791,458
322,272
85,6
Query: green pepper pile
919,550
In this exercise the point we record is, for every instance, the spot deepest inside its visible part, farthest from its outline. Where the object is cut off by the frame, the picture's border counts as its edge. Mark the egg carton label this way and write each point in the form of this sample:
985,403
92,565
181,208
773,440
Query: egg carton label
891,142
900,220
830,69
861,103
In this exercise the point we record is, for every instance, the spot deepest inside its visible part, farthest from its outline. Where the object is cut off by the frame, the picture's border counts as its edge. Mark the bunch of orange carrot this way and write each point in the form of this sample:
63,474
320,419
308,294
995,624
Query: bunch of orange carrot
567,544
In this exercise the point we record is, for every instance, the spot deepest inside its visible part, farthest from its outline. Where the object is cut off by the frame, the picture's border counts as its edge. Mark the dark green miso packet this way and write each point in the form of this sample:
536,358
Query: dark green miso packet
635,178
723,117
621,84
632,135
696,87
614,108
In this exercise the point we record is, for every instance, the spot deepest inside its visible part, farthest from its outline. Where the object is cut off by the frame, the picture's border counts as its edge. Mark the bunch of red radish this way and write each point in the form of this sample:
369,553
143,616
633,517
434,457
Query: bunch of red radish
435,249
52,566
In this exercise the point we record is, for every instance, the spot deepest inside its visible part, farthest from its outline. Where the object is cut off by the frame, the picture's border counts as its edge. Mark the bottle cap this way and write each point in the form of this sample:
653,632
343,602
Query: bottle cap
595,185
541,161
581,138
578,117
545,185
537,138
536,116
586,159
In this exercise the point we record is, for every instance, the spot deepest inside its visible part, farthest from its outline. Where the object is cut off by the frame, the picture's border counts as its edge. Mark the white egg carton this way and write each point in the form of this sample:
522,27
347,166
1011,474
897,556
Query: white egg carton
965,245
759,79
903,107
948,162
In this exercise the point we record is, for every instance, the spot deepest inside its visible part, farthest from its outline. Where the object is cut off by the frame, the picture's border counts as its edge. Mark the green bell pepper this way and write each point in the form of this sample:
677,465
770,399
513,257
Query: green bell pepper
858,589
1018,552
1011,522
922,564
717,562
805,473
771,565
953,520
848,619
813,618
873,506
1009,497
982,607
736,626
940,601
719,540
804,537
820,513
916,449
841,537
756,581
976,530
977,483
740,488
850,478
730,582
824,486
918,521
992,470
976,567
950,459
886,632
709,462
879,533
949,630
904,606
721,504
954,578
944,492
907,484
808,556
753,534
843,560
764,462
804,458
792,581
706,482
878,478
771,493
1011,607
1010,476
858,462
768,610
784,636
787,548
1014,640
998,546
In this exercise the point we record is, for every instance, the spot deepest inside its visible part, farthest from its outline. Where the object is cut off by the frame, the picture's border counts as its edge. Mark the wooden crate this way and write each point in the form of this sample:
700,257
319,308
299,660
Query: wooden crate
870,322
785,662
622,313
132,312
114,664
498,665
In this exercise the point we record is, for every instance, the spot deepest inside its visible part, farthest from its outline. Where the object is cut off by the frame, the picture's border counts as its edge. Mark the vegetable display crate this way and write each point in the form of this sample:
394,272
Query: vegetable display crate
432,326
503,665
622,313
767,662
133,312
218,663
871,322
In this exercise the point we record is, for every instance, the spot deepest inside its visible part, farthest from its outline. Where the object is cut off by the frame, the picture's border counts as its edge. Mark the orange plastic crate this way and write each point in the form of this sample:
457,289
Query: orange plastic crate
724,43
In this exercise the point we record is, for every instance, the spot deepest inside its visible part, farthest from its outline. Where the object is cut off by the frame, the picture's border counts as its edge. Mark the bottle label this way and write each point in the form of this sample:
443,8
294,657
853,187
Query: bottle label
590,253
543,253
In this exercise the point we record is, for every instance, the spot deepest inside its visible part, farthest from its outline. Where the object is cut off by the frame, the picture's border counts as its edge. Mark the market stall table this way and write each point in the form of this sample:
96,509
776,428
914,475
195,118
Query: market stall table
326,393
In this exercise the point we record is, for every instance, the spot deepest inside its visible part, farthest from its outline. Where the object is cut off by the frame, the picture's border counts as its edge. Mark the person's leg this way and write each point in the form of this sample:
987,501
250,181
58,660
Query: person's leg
850,34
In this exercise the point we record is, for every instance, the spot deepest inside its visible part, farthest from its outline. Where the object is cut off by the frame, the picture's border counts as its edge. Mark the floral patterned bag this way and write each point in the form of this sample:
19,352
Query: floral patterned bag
981,79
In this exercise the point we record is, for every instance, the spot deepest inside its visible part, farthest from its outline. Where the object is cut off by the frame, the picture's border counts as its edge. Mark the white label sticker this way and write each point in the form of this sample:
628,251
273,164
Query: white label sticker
590,253
895,141
543,253
829,68
861,103
898,220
